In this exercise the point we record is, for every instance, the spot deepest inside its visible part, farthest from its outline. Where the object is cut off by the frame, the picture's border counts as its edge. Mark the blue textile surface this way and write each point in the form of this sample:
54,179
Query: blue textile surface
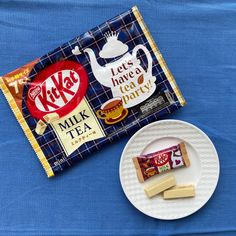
197,39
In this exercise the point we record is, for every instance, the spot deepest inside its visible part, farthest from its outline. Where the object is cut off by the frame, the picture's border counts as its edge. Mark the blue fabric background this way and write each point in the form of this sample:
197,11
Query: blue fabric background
197,39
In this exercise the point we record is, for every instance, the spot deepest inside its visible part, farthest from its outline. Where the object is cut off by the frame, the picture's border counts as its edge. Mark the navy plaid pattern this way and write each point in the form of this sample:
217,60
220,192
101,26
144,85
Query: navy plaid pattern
131,34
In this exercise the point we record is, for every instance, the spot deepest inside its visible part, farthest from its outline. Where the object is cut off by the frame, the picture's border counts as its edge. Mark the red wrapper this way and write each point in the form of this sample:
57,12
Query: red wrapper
158,162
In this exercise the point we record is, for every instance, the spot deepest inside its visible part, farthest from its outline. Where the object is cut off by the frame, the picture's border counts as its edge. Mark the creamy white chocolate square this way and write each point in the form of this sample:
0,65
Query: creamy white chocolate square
40,127
51,117
160,185
179,192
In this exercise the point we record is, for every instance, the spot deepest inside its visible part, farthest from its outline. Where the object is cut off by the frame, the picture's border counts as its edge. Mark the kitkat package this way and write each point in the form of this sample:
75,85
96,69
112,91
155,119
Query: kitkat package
101,85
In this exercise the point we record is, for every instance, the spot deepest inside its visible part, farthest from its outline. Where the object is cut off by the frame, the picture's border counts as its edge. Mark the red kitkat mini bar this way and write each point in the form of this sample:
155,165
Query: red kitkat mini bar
158,162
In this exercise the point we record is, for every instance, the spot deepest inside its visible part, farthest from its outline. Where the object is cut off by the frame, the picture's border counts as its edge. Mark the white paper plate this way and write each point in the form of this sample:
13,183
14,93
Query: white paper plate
203,171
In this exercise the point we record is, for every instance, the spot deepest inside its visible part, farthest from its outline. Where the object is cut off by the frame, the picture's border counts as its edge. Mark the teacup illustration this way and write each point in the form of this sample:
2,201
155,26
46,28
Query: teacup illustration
150,171
112,111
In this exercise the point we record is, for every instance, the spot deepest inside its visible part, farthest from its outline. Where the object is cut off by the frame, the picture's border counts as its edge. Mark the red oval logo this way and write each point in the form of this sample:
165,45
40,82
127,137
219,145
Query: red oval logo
161,159
58,88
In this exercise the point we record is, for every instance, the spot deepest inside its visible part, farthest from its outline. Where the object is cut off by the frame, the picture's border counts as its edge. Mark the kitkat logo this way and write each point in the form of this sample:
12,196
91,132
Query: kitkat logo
58,88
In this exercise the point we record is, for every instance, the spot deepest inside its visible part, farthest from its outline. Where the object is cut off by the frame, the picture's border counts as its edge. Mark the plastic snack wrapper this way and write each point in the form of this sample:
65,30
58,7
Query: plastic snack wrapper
161,161
101,85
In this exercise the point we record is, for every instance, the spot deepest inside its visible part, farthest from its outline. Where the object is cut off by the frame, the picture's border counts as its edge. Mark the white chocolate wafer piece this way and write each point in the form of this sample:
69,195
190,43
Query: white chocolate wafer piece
51,117
40,127
179,192
160,185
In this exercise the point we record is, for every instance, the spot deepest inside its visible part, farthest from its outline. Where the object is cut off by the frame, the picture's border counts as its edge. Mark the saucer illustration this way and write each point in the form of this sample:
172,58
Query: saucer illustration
111,121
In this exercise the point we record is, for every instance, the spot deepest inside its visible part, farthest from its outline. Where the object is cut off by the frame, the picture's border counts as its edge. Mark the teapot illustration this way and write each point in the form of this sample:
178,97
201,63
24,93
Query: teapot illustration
125,76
